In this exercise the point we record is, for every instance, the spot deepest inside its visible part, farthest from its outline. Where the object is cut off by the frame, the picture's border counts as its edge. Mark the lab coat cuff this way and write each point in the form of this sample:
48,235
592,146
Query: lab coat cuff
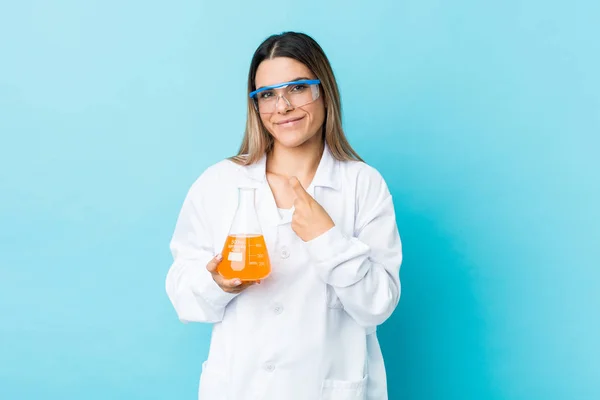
326,251
339,259
327,245
208,290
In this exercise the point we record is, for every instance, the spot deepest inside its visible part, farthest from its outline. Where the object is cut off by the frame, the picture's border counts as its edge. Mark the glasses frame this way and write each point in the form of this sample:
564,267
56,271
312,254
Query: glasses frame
253,95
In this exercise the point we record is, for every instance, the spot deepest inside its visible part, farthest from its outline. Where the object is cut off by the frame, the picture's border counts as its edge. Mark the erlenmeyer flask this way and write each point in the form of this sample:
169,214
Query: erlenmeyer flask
245,252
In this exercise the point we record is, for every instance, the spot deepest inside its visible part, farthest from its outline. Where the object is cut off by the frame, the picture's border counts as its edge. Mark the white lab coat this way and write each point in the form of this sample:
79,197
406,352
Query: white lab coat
308,331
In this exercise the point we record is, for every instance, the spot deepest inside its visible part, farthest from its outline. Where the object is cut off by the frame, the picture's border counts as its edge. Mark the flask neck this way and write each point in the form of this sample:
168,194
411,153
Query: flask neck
245,221
246,199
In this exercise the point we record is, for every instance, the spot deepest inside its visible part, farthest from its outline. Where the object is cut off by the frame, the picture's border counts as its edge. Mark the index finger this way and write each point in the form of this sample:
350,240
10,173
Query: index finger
298,189
225,283
214,263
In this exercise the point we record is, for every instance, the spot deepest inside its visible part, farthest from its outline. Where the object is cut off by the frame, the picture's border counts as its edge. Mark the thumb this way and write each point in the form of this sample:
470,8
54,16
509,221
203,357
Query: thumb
297,186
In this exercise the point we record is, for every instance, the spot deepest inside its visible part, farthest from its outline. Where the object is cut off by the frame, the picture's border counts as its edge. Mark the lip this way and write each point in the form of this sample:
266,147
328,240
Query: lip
289,122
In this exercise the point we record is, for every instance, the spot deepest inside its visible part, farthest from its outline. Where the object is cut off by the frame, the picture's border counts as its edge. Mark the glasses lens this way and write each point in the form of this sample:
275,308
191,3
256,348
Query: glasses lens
297,95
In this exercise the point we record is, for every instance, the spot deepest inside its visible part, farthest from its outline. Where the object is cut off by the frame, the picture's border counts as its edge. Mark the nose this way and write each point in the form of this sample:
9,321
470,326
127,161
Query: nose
283,106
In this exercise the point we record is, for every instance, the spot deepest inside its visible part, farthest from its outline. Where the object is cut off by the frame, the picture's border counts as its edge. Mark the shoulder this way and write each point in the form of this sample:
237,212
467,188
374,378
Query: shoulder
213,180
363,175
217,174
368,188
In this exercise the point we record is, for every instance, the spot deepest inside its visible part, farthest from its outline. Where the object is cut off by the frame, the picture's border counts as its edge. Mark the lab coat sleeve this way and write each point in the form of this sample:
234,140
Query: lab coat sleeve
364,268
190,287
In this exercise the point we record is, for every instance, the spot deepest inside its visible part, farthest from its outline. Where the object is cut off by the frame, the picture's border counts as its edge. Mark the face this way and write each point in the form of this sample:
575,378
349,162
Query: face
290,127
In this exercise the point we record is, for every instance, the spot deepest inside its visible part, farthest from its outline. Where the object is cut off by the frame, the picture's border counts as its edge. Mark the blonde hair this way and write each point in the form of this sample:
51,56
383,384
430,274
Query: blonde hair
257,140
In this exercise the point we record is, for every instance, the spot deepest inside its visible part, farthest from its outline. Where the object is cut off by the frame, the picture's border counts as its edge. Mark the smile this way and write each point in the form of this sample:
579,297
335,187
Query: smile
289,122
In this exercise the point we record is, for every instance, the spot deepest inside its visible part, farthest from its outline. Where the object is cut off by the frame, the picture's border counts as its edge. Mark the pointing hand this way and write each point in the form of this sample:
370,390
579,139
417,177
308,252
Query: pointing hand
310,219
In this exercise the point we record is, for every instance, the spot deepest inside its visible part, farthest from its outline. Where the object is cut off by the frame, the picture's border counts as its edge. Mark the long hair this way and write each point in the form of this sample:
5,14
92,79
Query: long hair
301,47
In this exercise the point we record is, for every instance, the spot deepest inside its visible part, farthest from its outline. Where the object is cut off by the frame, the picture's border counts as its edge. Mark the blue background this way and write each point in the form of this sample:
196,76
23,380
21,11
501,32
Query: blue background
484,117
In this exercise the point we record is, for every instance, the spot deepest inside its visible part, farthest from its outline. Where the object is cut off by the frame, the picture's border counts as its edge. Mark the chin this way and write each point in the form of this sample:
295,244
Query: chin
292,138
291,142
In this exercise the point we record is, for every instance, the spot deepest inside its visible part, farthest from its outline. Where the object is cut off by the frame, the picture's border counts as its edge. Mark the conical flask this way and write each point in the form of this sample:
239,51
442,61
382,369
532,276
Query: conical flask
245,253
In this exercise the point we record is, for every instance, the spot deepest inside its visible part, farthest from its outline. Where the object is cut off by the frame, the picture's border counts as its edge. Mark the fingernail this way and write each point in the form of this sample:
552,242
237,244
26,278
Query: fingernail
237,282
219,257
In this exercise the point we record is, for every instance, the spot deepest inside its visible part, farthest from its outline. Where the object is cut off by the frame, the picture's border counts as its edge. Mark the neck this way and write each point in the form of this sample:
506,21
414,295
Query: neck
301,162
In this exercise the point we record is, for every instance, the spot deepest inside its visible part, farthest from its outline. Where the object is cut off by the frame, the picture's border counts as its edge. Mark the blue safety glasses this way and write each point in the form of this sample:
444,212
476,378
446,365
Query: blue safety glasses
296,94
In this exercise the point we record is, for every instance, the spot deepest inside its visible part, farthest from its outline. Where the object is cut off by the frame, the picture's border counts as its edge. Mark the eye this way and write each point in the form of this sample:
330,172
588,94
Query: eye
265,95
299,88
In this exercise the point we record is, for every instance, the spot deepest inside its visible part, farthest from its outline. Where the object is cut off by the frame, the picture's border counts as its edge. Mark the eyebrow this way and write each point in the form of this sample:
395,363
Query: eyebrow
292,80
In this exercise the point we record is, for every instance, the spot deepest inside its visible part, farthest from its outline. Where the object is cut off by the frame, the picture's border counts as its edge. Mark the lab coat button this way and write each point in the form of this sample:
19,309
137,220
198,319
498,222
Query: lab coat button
269,367
278,309
285,252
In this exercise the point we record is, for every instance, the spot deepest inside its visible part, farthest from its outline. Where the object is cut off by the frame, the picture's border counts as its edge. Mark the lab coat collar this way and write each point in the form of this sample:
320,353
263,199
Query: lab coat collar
326,176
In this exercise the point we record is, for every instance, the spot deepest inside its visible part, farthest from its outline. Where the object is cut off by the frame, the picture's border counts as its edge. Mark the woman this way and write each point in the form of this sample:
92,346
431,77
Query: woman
307,331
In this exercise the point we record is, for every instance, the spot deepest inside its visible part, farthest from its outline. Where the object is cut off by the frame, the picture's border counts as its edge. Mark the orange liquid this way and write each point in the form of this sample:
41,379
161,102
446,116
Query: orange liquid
245,257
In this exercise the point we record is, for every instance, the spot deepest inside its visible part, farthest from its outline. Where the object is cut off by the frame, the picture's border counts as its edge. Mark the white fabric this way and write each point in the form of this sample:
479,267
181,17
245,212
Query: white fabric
286,213
308,331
